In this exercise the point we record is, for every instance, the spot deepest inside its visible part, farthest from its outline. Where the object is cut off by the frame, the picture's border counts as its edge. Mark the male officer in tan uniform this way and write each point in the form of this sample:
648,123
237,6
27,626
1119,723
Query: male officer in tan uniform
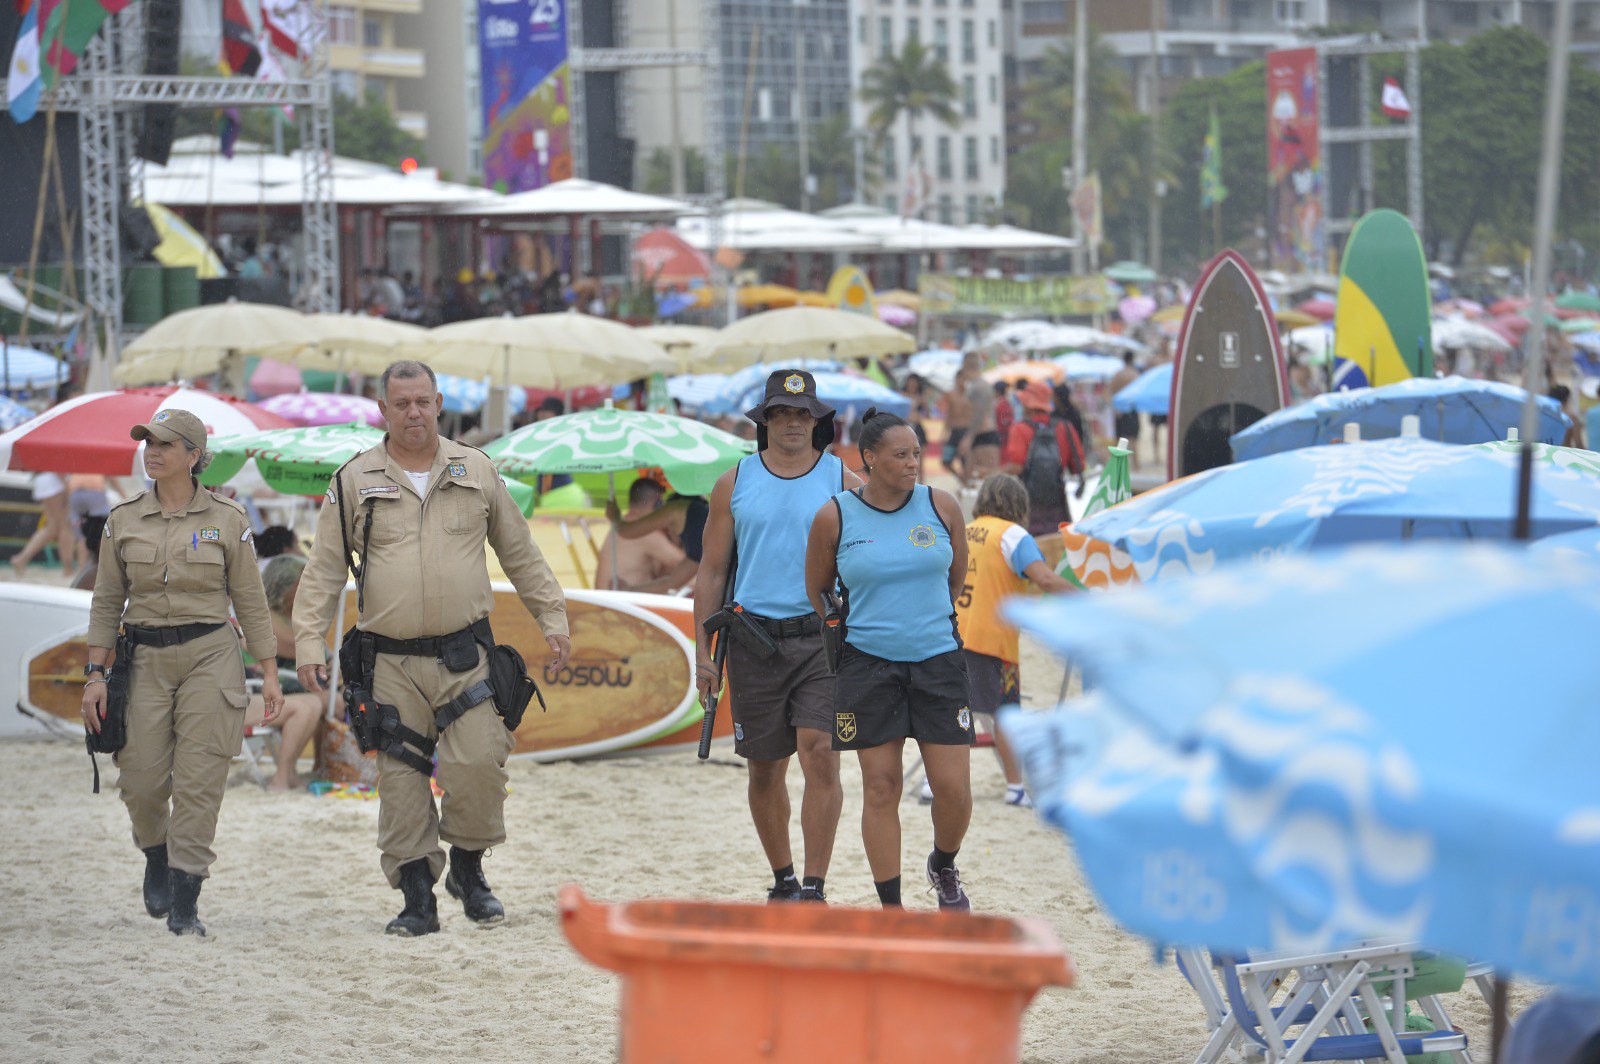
430,503
177,556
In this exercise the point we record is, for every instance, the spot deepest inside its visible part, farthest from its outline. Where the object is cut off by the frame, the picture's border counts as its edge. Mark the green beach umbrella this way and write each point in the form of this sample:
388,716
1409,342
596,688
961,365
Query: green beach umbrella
1129,272
692,454
301,461
1116,485
1578,301
1578,325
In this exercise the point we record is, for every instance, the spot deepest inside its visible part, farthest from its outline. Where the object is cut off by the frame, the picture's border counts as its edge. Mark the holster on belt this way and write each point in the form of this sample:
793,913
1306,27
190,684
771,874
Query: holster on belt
513,687
745,631
832,630
113,733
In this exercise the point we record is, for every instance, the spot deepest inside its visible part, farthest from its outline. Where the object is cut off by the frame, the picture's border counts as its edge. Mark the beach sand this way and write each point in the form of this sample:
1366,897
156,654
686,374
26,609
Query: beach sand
297,965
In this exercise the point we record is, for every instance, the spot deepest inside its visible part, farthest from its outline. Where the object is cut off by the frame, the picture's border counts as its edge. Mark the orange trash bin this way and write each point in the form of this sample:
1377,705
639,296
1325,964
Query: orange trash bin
708,983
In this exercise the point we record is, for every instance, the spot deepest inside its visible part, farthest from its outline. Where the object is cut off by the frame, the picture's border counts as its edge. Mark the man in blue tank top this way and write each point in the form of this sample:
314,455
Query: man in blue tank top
782,700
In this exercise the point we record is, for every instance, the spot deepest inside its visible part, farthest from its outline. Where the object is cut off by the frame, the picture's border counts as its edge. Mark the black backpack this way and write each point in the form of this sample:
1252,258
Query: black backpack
1043,471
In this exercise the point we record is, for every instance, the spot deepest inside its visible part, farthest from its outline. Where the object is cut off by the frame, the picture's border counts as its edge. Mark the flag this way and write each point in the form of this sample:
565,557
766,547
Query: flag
279,35
240,52
1086,205
65,29
1212,190
292,27
25,81
914,199
228,131
1394,101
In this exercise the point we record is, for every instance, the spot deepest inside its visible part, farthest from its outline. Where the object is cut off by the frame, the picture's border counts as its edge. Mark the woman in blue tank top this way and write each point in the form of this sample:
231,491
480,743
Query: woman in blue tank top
897,551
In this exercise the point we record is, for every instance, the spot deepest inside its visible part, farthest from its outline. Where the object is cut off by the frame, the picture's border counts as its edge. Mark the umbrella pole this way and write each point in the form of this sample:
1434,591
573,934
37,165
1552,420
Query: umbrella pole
1544,219
611,481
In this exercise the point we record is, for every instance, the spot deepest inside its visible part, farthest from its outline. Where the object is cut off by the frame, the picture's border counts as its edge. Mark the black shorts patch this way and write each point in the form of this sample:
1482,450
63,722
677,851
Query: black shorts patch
878,701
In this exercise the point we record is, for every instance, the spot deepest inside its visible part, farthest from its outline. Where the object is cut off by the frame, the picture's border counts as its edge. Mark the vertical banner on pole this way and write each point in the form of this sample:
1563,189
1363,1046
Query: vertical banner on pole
1294,156
526,93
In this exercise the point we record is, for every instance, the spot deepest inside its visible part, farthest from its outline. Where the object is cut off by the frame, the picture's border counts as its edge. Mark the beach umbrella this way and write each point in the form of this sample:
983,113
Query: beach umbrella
1244,783
89,433
686,344
899,297
849,395
1583,301
1149,393
558,350
463,395
209,339
1313,342
1321,307
1585,543
1509,305
805,335
1082,366
302,461
324,408
730,394
1579,458
938,367
359,343
181,245
1579,325
691,454
1172,314
899,317
1134,309
1129,272
13,413
1458,332
1319,497
268,377
24,368
1088,562
1047,370
1289,319
1588,340
1450,409
697,391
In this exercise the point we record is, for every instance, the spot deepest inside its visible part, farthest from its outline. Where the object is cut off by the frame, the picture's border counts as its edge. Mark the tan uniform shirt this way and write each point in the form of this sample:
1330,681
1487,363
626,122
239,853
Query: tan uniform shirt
426,571
182,569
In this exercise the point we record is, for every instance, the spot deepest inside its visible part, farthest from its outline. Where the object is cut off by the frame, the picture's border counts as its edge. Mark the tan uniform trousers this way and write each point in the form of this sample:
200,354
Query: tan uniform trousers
185,724
472,766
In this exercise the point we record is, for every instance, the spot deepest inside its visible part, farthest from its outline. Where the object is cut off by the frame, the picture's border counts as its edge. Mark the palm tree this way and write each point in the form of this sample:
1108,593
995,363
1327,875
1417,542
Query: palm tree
911,83
833,161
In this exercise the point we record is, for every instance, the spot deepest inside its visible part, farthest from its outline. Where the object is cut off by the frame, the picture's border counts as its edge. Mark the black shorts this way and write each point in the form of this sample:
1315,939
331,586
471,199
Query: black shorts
1127,425
774,696
995,682
986,439
952,444
878,701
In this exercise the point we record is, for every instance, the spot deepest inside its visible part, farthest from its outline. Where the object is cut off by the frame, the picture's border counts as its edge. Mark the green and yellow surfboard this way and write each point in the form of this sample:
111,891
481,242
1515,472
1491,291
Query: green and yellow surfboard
1384,323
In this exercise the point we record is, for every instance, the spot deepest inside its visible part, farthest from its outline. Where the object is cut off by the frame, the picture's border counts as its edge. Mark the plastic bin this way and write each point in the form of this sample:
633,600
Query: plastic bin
180,288
713,983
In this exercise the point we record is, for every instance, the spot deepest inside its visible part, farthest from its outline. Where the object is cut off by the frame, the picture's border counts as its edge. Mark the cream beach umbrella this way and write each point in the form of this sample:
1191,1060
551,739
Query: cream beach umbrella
211,339
358,343
800,334
557,351
687,344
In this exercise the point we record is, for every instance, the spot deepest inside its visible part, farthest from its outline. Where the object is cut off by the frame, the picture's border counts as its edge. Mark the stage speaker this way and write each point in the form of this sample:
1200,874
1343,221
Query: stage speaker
163,23
139,236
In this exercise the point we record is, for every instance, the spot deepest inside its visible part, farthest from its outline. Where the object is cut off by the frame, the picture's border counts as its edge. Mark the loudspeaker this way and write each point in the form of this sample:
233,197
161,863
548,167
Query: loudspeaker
163,23
139,236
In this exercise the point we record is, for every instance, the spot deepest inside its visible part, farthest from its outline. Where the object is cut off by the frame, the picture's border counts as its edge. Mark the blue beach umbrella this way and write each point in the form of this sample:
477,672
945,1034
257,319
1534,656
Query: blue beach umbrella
1584,542
849,396
23,368
1317,497
1083,366
1386,765
693,391
464,395
730,399
13,413
1452,410
1149,393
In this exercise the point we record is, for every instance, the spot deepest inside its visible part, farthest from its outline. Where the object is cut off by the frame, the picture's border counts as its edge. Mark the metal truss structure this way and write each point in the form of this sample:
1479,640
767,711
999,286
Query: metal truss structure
1364,135
107,91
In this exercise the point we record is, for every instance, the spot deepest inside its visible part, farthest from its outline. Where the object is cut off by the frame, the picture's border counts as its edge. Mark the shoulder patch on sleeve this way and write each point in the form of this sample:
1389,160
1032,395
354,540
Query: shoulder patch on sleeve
232,504
135,497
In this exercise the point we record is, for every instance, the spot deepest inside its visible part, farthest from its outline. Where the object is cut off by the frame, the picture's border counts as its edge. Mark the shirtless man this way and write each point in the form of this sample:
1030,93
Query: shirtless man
958,421
649,563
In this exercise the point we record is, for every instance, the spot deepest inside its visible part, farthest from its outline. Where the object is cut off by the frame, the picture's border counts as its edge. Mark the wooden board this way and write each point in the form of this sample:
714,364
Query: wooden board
1384,317
1229,370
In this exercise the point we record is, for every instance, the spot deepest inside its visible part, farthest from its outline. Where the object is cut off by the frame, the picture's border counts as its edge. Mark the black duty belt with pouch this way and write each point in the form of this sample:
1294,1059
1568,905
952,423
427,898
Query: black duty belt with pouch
113,733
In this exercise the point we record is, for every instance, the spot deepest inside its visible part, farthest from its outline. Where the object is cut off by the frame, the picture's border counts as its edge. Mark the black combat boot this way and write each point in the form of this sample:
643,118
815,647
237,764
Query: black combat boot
157,892
421,914
465,882
185,889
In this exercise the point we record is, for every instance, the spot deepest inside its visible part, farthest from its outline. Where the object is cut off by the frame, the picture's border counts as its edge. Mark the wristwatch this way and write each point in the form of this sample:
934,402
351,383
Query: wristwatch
91,668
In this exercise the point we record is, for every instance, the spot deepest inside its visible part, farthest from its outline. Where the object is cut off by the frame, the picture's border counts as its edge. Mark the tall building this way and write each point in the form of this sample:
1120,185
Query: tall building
446,98
964,164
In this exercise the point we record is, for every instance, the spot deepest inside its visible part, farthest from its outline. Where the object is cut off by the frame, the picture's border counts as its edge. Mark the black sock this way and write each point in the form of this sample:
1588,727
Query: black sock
889,892
942,860
784,877
812,883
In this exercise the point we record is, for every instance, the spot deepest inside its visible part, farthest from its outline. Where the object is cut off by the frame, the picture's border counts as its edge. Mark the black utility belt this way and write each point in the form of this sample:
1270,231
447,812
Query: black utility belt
458,650
169,637
788,627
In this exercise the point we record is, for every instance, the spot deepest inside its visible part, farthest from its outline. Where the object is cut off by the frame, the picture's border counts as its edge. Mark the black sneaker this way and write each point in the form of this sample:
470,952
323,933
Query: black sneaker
946,883
790,891
811,894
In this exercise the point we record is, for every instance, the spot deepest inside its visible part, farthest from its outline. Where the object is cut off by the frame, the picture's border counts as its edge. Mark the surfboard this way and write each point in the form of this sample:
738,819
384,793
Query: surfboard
1384,320
1229,366
685,736
47,631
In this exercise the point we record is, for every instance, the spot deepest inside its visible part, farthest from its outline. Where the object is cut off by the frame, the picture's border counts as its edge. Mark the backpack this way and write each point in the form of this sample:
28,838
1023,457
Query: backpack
1044,475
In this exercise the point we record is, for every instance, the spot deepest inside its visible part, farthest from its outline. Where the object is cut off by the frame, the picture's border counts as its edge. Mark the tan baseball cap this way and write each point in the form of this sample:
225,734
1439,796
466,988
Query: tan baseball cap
169,425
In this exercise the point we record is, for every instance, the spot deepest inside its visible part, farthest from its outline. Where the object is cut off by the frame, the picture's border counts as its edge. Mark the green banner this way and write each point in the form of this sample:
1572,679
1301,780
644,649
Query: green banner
997,296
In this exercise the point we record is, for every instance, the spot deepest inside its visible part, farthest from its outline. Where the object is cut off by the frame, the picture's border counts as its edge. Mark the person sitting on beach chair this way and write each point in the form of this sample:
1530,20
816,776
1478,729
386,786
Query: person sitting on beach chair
301,709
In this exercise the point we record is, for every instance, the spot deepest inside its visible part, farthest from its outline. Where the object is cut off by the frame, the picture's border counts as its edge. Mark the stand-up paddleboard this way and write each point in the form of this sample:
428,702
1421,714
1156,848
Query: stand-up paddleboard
1384,320
1229,370
686,736
44,633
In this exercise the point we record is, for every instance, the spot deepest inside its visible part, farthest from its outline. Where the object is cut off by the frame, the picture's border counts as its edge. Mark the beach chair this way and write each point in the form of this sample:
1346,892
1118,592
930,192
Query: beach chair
1343,1004
261,744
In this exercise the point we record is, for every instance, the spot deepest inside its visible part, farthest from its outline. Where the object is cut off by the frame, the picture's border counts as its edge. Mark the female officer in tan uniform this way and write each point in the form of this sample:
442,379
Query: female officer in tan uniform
177,555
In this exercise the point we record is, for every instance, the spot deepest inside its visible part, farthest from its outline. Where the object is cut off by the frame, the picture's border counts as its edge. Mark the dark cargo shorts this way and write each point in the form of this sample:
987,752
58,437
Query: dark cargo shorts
774,696
879,701
995,682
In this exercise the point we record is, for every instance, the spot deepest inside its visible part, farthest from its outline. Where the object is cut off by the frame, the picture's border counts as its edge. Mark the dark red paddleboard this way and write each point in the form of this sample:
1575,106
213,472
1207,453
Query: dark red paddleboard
1228,372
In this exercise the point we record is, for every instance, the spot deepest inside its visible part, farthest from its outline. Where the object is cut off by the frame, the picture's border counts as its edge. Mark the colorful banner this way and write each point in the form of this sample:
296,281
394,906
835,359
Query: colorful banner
524,81
849,289
994,296
1294,159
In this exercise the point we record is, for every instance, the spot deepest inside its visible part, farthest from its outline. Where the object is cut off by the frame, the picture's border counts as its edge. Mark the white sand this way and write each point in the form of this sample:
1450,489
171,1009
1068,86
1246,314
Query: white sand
297,966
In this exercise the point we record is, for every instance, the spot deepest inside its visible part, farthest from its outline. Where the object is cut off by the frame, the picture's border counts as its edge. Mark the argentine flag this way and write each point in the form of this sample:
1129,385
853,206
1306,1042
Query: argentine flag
25,82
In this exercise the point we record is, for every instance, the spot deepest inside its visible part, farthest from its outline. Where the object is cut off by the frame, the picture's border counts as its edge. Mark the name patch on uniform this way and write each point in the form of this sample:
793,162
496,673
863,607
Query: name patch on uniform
922,536
457,469
211,535
382,489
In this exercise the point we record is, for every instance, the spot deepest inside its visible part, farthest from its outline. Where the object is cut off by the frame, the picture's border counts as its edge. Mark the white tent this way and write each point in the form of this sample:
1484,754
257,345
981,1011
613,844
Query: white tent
575,197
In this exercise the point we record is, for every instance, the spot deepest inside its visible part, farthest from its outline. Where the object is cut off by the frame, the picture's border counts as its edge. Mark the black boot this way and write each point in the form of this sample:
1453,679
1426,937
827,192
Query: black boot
421,914
185,888
465,881
157,892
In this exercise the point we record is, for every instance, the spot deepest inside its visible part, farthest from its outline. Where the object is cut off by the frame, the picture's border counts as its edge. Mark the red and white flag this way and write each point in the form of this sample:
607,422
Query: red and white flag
1394,101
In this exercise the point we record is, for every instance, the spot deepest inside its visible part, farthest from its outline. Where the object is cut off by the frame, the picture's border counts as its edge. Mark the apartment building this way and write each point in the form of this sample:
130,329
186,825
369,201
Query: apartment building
964,164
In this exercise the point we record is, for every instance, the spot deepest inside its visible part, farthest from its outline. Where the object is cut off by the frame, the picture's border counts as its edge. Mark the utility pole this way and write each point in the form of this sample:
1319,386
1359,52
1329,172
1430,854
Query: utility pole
679,183
800,110
1080,124
1157,186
